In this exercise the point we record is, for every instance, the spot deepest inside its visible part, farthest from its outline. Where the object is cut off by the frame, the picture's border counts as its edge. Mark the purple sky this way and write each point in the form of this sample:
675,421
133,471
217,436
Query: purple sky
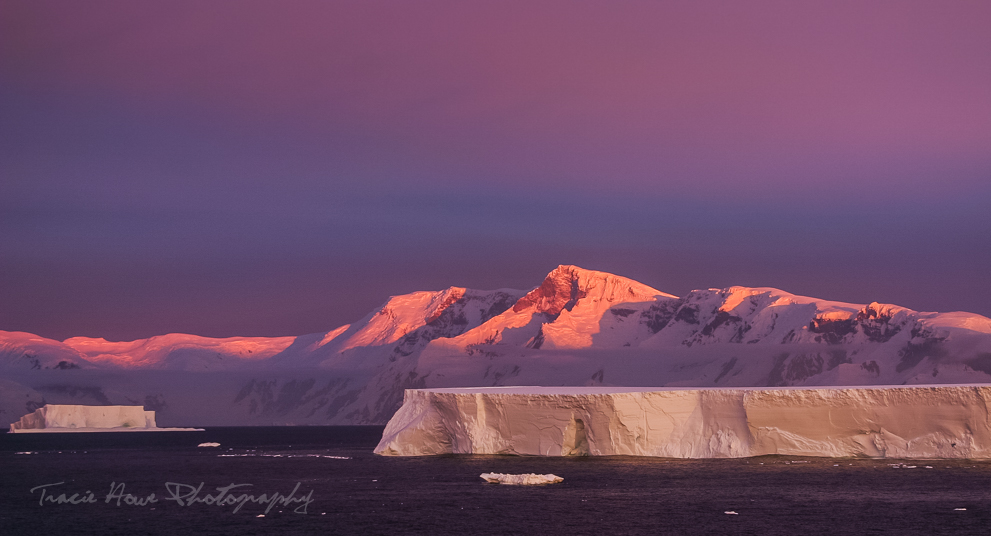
279,168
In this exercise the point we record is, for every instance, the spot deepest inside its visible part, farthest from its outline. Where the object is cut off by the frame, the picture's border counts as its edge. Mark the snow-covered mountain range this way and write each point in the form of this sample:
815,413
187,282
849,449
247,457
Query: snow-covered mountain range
578,327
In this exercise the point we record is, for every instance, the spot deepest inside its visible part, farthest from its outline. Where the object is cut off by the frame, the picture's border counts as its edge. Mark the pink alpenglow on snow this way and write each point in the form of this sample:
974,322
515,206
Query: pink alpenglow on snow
576,327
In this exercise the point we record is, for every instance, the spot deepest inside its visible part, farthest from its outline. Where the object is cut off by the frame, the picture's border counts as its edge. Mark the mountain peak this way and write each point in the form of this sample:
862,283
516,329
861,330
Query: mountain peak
566,284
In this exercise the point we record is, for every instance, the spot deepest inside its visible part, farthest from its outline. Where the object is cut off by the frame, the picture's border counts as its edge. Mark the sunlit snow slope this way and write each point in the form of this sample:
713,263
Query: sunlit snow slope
577,327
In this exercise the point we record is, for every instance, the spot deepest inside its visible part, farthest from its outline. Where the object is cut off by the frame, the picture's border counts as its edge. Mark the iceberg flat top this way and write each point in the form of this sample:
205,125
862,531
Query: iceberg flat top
565,390
101,430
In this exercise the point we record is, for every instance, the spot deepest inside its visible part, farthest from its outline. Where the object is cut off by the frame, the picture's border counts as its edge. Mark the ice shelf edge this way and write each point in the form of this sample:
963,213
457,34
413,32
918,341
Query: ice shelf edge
895,422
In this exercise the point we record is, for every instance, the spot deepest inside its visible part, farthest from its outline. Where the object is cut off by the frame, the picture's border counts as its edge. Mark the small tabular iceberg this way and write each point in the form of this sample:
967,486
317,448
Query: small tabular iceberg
75,418
528,479
946,421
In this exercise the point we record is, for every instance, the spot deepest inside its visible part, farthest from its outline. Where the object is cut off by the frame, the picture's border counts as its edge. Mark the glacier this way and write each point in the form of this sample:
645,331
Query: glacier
77,418
935,421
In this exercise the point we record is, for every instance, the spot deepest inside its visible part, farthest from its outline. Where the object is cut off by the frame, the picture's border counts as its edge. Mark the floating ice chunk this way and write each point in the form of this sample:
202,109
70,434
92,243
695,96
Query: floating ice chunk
529,479
208,444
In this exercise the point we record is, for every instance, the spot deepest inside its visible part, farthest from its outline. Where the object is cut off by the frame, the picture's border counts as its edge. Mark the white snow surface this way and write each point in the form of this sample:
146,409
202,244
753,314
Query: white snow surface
76,418
934,421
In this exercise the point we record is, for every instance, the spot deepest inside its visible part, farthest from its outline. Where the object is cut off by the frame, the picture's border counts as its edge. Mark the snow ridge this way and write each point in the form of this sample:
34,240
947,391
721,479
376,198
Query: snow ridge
577,327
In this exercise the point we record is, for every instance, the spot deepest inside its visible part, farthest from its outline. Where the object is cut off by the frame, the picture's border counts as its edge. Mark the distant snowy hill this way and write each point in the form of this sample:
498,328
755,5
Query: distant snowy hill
25,351
578,327
178,351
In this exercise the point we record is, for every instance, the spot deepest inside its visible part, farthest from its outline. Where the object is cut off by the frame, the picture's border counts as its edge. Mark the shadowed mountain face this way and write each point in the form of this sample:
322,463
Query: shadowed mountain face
577,327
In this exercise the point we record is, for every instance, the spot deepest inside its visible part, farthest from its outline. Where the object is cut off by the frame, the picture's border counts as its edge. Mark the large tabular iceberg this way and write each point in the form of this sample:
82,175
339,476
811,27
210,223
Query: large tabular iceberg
898,422
75,418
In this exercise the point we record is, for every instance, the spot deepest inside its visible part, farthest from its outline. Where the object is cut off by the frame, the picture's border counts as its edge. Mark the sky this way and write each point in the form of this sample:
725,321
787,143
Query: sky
266,168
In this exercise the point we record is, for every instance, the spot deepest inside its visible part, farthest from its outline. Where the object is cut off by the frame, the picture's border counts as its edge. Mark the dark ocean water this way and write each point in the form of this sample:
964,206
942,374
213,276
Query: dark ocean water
353,491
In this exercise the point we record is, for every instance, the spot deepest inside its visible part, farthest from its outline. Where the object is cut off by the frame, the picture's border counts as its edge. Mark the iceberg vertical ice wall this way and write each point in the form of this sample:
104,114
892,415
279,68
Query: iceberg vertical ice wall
73,417
900,422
